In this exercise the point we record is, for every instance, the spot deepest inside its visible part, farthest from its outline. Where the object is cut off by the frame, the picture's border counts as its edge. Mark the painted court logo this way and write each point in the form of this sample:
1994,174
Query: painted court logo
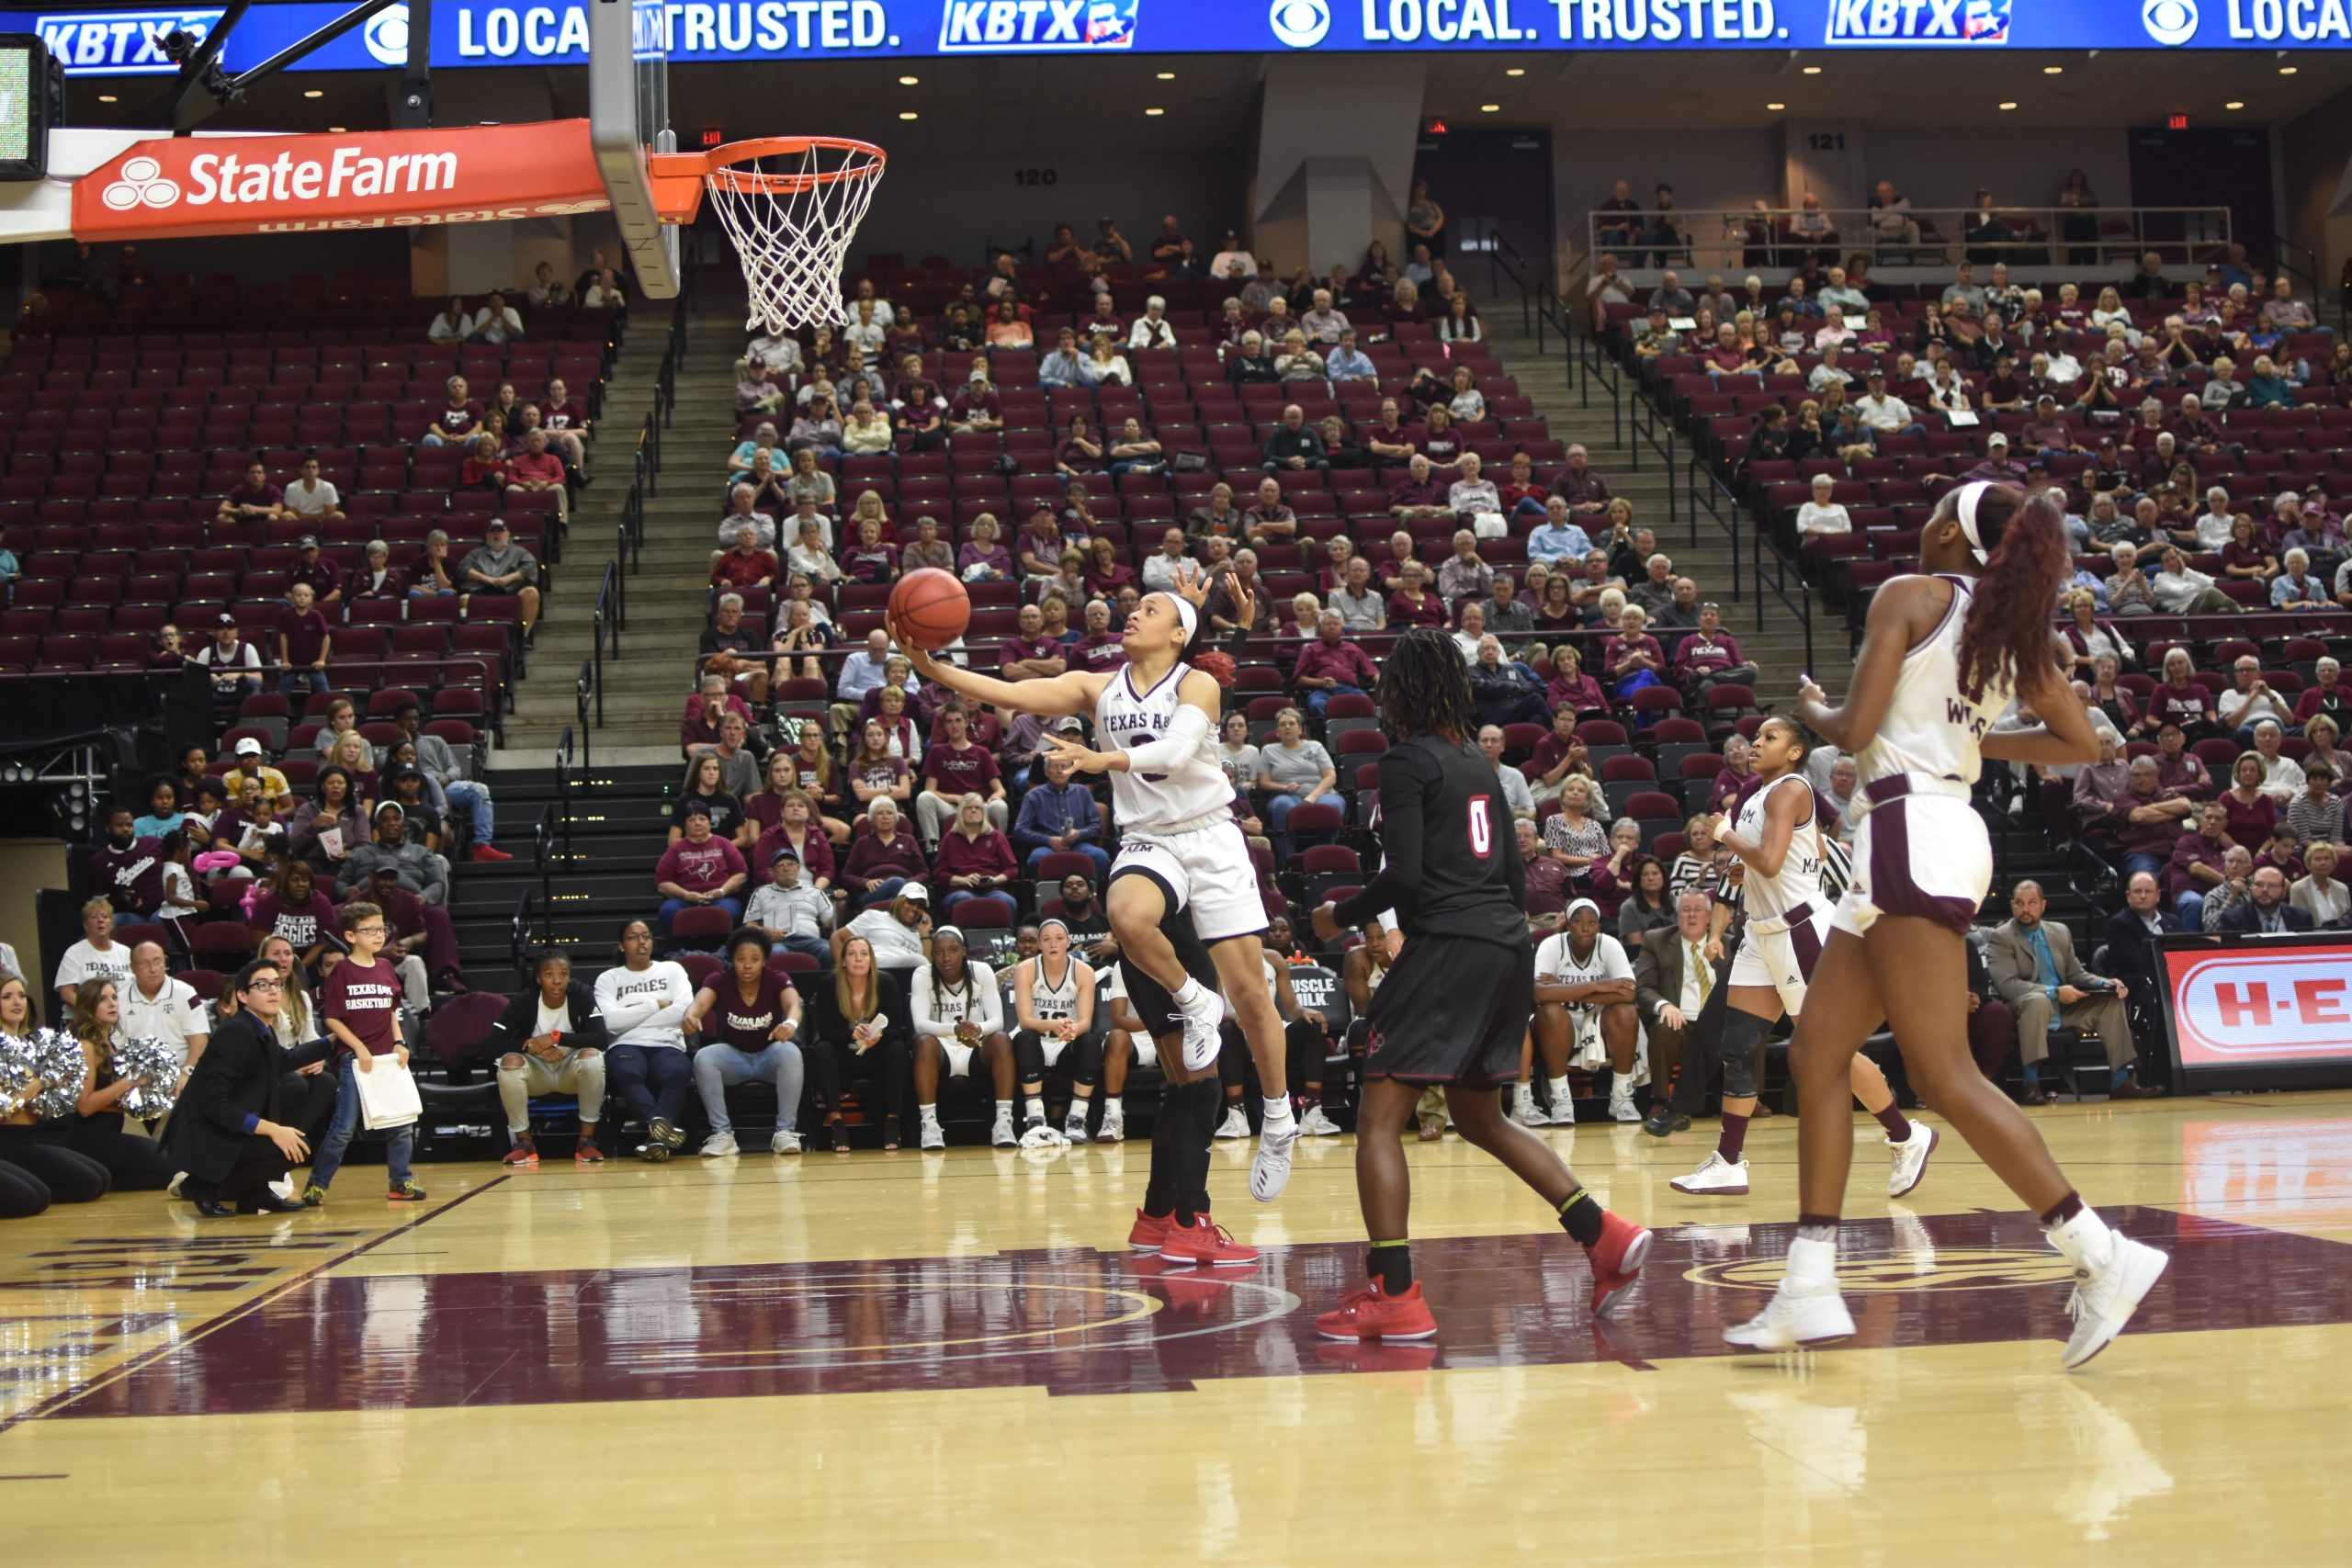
1938,1269
1920,23
142,184
1300,24
2170,22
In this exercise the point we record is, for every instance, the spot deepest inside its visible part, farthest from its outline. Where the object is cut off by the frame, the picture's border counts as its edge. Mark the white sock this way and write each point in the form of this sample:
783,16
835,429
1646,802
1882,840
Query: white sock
1187,995
929,1114
1004,1110
2085,1239
1561,1094
1036,1106
1626,1081
1277,1108
1814,1264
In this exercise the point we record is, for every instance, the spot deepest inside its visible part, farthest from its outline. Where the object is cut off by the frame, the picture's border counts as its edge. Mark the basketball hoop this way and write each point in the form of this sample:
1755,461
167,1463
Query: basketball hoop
791,204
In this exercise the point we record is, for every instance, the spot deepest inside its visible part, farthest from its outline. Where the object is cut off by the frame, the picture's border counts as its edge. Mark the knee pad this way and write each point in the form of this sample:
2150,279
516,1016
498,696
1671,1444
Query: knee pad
1743,1039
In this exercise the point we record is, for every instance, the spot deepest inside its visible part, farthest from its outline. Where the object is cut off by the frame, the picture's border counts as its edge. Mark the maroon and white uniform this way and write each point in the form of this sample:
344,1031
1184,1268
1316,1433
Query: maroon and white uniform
1920,848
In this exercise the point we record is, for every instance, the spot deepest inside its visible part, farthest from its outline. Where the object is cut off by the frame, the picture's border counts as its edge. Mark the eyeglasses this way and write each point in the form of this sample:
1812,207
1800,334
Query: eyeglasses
266,985
367,930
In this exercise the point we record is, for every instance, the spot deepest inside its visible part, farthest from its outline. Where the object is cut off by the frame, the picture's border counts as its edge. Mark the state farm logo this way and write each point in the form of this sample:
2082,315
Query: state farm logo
141,184
2247,1002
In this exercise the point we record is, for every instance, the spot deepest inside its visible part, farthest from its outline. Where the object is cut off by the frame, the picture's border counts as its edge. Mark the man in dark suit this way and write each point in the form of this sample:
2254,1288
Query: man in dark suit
2265,911
2036,971
2130,936
226,1135
1673,978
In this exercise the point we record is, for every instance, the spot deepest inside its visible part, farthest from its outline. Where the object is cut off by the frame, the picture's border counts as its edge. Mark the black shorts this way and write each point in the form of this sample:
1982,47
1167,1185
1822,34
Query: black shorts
1147,996
1452,1010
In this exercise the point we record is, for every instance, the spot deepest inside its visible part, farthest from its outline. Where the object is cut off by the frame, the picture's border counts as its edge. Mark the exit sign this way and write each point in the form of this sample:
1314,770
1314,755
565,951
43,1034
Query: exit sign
713,135
2175,122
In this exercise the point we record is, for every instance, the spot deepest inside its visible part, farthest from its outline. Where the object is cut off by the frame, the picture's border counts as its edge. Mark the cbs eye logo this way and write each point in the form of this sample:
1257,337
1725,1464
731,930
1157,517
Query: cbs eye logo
2169,22
1301,24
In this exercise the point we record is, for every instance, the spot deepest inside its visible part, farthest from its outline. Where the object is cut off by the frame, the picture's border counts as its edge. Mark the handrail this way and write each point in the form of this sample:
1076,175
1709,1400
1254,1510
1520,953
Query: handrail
564,785
584,687
1599,371
2182,236
543,837
1786,583
519,934
1724,510
1647,422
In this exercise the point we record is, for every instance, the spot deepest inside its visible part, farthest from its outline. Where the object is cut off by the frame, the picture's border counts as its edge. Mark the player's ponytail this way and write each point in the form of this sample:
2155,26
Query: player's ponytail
2007,629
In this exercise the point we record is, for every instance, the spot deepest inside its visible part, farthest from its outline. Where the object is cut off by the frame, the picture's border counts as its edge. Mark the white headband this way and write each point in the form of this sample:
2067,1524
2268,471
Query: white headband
1970,494
1186,613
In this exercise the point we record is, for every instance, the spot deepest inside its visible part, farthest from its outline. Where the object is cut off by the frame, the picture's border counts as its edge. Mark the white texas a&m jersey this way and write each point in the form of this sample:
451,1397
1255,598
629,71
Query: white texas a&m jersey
1195,788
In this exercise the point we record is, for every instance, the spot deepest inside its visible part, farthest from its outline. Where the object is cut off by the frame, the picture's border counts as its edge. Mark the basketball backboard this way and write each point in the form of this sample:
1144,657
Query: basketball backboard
629,118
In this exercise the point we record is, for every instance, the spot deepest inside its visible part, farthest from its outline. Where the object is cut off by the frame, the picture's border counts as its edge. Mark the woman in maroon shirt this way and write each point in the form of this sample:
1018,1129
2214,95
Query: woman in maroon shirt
2183,700
293,907
796,827
870,560
2244,558
975,859
1558,612
882,861
1411,605
2253,816
1079,452
484,469
1570,687
1104,575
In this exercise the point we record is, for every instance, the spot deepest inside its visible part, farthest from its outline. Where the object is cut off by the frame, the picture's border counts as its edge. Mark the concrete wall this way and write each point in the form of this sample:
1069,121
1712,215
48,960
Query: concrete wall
939,202
27,864
2314,160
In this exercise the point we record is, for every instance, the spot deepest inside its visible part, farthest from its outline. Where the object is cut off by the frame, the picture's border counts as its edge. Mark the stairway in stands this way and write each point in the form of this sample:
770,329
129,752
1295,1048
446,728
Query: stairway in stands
1700,549
587,822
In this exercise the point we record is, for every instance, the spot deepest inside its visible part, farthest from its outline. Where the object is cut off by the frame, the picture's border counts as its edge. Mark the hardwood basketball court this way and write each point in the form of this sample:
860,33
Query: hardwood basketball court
953,1359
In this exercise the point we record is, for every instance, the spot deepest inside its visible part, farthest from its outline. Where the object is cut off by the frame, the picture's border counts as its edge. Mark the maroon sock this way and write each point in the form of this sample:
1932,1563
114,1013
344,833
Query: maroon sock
1733,1138
1308,1099
1897,1125
2068,1207
1818,1228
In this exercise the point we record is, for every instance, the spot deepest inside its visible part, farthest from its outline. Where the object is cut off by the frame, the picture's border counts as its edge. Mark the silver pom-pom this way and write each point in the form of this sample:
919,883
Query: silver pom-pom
63,1069
16,1072
151,1059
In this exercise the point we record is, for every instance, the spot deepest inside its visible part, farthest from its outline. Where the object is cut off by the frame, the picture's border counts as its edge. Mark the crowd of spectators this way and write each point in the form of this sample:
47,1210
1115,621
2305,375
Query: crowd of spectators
2192,430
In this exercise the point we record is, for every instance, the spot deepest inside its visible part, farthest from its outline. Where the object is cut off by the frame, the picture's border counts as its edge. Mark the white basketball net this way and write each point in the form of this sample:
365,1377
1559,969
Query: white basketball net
792,216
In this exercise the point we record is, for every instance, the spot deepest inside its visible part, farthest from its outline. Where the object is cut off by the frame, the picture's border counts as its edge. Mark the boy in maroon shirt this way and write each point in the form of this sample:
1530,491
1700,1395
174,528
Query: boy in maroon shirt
360,1001
304,640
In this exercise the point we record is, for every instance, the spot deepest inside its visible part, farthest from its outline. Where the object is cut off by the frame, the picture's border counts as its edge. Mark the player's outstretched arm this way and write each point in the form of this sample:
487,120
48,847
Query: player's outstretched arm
1053,697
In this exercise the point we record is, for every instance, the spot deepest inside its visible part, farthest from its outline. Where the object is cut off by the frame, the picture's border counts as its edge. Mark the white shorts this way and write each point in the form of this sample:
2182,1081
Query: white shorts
1208,872
1783,960
959,1056
1922,855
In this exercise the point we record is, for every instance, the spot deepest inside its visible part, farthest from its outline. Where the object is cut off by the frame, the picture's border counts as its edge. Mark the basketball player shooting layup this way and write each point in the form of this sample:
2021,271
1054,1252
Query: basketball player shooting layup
1944,652
1779,842
1181,848
1455,1005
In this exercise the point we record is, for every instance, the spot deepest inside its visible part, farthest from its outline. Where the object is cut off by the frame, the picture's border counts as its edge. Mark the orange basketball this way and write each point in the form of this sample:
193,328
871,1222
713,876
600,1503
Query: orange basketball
929,607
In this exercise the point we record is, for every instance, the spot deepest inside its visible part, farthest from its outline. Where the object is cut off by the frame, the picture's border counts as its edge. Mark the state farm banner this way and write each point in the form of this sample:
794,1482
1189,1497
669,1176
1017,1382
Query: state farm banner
181,186
2261,1010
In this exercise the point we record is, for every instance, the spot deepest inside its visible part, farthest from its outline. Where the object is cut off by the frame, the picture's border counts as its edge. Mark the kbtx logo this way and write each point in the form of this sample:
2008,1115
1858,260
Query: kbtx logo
981,25
119,43
1933,22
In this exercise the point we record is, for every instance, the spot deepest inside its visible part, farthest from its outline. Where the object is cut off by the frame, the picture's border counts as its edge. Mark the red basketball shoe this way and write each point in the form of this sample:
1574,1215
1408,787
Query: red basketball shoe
1373,1313
1148,1232
1205,1242
1617,1259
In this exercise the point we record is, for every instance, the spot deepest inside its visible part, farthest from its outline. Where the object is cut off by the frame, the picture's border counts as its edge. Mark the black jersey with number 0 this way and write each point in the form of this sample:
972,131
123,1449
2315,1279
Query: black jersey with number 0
1452,850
